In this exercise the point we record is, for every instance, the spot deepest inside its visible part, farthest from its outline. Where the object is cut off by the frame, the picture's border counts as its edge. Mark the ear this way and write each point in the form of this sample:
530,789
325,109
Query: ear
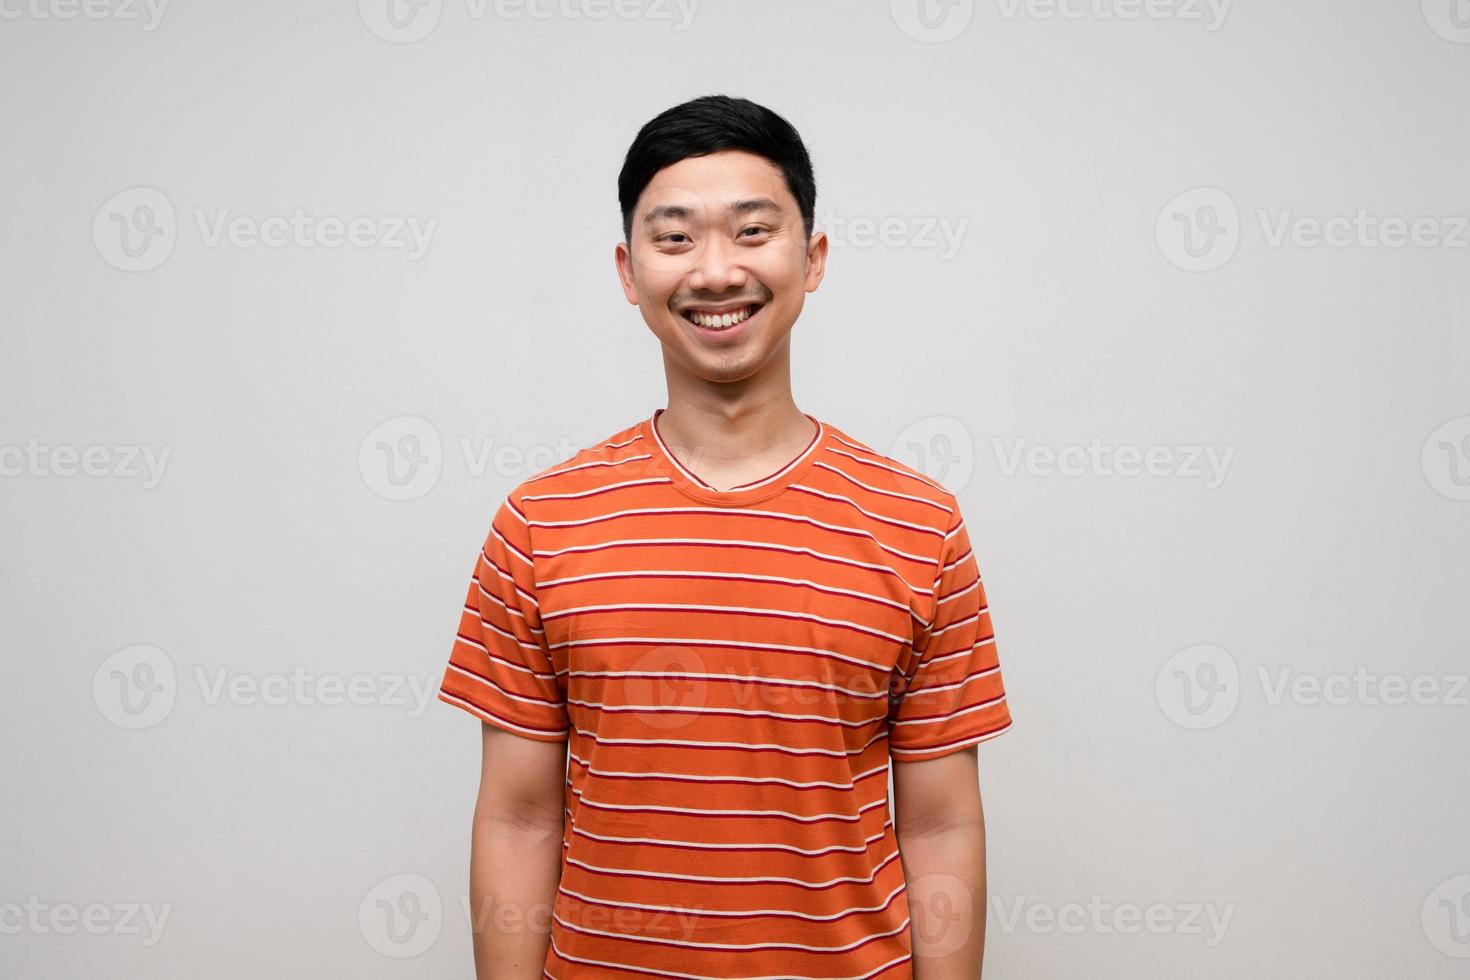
816,260
623,259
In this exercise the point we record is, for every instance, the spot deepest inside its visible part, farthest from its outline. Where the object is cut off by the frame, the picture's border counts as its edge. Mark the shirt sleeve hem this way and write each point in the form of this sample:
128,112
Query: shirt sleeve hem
922,753
506,724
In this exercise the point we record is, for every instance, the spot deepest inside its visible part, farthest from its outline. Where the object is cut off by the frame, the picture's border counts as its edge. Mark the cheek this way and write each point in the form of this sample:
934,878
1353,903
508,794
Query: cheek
784,272
788,290
654,292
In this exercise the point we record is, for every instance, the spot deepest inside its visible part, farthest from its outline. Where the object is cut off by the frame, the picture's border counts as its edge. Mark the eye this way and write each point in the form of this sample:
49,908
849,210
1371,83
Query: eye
757,229
673,238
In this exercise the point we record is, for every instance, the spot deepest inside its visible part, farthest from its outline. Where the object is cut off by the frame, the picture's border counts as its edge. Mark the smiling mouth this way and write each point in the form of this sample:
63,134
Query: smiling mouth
711,320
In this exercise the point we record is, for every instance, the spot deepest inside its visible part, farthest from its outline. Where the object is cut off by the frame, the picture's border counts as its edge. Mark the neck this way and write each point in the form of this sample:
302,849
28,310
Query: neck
724,431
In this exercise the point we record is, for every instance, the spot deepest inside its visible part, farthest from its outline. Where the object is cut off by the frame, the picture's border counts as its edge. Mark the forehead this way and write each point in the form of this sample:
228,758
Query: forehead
714,183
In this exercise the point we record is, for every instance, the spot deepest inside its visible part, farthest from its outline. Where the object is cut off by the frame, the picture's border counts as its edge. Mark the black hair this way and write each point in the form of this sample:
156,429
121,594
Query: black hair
707,125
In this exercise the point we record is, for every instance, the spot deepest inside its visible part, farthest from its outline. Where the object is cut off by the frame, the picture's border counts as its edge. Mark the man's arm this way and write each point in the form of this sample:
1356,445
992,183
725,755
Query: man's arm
941,839
515,853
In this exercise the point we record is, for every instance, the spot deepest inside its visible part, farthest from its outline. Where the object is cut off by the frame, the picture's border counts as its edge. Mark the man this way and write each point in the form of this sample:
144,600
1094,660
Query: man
697,645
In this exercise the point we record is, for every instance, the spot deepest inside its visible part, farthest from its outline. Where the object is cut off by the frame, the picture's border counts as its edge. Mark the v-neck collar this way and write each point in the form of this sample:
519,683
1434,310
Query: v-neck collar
756,490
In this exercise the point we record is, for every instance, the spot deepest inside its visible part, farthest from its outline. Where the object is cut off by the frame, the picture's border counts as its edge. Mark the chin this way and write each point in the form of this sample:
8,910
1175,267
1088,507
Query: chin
739,367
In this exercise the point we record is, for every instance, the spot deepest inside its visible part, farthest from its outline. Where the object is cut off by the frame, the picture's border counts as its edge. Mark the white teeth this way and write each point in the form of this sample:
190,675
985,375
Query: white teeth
723,321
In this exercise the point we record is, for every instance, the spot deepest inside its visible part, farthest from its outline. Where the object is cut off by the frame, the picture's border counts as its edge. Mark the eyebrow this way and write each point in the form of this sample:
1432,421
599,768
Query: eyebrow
679,212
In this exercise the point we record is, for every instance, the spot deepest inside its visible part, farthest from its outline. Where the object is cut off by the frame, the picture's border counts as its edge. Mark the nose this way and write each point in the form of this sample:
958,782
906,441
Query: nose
717,269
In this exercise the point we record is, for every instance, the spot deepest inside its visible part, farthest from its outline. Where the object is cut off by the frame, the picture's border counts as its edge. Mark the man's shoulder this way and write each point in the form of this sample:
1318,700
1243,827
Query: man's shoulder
615,455
861,464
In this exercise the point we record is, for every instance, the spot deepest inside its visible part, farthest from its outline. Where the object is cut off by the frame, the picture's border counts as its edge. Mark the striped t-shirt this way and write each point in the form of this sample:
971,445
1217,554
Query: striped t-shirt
732,671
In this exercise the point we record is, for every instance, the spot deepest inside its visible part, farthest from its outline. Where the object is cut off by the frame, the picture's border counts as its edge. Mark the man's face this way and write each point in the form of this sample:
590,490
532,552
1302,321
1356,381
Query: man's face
720,236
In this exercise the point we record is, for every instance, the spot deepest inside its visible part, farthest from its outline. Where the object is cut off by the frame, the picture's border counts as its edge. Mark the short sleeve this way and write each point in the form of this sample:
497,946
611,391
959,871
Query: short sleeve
500,667
955,696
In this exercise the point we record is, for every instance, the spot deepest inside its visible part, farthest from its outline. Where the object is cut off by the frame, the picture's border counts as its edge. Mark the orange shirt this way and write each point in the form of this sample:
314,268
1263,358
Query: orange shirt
732,672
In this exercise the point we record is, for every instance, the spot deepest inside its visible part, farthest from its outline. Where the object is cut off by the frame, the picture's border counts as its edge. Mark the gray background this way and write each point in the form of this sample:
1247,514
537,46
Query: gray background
1145,622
